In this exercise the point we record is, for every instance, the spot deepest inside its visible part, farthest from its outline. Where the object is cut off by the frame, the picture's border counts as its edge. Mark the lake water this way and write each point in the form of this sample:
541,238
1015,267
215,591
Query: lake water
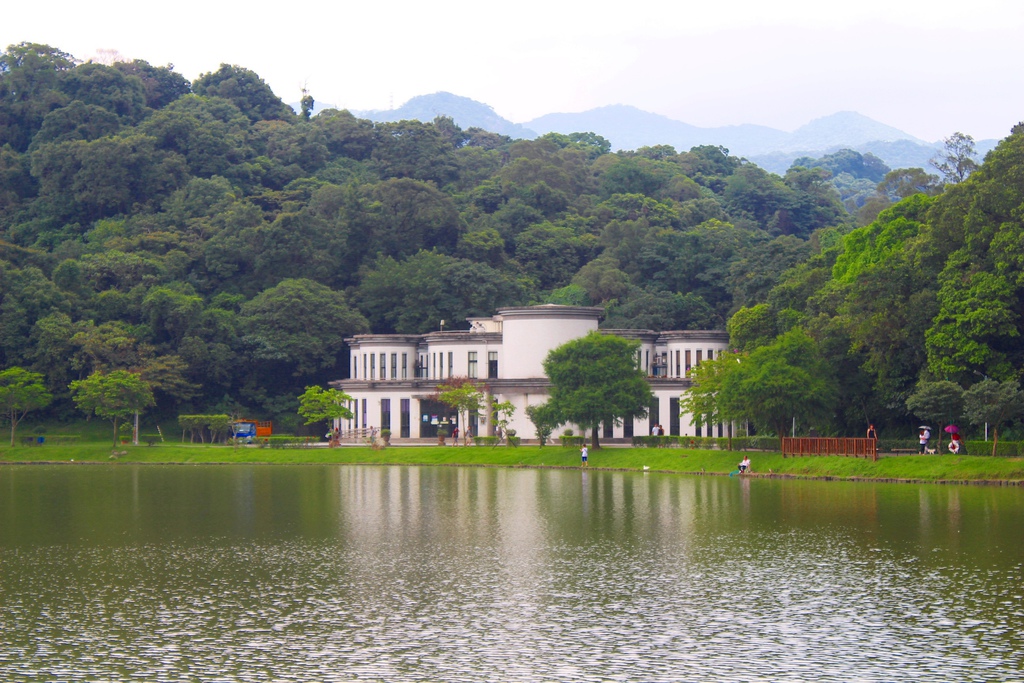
342,573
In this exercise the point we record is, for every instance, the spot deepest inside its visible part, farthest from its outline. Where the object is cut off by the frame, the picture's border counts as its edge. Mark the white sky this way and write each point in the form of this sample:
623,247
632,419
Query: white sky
928,67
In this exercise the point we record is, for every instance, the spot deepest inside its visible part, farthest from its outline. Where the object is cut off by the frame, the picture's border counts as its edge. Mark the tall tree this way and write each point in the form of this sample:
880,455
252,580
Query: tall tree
317,404
773,384
956,160
463,395
115,396
994,403
300,324
938,402
20,392
596,379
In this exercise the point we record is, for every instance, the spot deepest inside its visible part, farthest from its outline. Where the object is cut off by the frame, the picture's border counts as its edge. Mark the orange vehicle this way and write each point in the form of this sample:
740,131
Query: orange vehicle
247,430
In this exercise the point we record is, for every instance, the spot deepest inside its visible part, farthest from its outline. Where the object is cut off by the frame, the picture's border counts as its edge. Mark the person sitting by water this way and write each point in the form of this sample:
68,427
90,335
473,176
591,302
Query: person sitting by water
744,464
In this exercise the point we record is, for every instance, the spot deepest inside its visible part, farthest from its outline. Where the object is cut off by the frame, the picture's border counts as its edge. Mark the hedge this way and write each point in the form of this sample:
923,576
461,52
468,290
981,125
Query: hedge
1006,449
739,443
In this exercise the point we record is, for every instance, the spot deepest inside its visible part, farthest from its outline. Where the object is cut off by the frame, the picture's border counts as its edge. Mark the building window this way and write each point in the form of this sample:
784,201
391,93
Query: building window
627,427
355,366
405,366
433,365
451,362
364,413
405,418
364,367
373,366
383,365
711,354
678,373
394,366
492,364
698,356
471,365
687,363
654,412
673,416
385,413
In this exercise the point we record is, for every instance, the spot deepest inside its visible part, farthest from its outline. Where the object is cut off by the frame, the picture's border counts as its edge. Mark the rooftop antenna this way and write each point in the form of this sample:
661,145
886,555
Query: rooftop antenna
442,326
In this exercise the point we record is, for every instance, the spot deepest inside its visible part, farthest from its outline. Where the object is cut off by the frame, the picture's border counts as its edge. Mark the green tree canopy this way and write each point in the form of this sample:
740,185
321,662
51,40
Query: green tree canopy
994,403
595,379
770,386
301,324
246,90
20,392
463,395
317,404
114,396
939,402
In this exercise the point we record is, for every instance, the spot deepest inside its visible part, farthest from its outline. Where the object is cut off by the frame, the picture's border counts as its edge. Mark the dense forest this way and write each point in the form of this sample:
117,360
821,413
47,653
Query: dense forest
210,238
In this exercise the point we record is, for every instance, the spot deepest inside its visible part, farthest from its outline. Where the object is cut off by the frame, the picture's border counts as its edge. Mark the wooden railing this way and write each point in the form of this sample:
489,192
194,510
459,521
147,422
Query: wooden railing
827,445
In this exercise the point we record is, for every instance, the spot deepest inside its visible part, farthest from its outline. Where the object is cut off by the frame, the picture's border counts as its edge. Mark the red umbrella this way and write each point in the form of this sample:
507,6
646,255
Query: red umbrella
952,429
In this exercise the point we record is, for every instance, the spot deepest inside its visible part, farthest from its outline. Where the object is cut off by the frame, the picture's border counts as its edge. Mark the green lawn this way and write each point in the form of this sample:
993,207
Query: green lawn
915,467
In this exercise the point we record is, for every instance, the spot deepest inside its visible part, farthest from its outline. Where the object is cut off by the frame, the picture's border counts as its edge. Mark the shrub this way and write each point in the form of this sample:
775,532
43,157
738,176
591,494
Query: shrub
1006,449
570,441
288,441
645,441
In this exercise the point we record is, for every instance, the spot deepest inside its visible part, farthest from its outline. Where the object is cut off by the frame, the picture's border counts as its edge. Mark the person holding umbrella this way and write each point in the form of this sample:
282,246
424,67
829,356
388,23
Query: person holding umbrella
924,434
956,444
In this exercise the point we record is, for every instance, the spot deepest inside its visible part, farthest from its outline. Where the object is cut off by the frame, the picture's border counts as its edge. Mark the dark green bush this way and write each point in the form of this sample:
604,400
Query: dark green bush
1006,449
645,441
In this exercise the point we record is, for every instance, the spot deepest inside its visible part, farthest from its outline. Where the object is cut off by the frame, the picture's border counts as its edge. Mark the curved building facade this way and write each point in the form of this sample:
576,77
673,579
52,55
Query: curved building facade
394,377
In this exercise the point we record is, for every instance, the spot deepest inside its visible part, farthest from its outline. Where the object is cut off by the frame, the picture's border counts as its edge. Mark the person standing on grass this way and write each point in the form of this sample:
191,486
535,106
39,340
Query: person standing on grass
583,455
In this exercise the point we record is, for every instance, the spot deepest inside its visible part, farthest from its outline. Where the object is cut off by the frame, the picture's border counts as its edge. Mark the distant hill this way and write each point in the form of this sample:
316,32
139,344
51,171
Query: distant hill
629,128
774,150
465,112
895,154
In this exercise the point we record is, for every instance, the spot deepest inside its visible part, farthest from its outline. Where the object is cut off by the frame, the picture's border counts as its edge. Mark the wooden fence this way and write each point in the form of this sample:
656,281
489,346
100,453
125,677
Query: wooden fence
826,445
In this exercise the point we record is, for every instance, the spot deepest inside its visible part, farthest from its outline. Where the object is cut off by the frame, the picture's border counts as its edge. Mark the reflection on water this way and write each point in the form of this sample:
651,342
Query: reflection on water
458,574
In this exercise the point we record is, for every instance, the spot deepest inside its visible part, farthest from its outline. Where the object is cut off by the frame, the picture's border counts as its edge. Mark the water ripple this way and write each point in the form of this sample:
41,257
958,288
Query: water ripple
672,593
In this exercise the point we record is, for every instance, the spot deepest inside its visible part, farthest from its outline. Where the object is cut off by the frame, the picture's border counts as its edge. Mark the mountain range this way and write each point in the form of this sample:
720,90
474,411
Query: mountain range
630,128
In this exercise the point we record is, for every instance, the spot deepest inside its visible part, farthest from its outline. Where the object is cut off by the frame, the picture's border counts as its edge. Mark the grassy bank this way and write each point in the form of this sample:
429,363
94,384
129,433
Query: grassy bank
913,468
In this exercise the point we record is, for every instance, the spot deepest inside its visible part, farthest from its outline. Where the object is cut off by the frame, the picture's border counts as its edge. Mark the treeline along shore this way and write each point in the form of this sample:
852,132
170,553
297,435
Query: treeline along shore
220,245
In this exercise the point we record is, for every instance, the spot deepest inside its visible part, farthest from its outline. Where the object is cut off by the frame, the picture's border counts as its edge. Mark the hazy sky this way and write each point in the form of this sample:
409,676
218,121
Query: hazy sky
928,67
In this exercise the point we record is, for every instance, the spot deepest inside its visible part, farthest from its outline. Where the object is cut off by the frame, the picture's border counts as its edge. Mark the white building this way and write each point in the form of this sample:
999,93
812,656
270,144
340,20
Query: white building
393,376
